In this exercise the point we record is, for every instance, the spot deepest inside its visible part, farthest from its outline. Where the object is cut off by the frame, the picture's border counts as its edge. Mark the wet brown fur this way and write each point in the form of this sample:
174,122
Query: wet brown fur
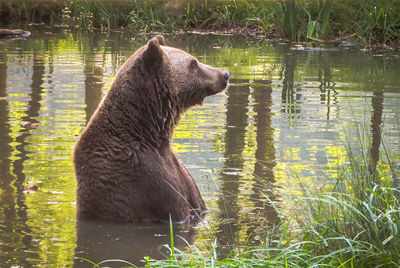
125,167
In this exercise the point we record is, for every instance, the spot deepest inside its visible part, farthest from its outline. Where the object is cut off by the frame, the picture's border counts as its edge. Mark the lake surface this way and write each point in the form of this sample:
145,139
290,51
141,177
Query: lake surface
280,126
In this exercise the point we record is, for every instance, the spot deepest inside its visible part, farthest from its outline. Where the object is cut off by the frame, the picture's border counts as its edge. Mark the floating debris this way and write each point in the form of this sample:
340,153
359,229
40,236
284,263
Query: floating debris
31,188
159,235
314,48
29,125
10,33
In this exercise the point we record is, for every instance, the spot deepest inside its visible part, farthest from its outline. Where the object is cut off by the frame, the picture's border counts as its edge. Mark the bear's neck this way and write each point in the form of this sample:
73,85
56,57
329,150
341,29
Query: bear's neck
147,113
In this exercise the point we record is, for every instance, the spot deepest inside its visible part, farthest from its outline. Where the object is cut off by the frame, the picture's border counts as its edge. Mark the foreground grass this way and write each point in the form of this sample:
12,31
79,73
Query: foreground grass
372,21
356,224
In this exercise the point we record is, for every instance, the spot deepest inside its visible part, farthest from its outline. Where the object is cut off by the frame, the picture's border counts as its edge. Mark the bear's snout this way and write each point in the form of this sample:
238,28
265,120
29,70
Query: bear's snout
226,75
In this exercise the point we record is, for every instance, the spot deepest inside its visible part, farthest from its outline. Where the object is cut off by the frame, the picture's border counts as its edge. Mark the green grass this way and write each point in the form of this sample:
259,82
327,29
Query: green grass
356,224
372,21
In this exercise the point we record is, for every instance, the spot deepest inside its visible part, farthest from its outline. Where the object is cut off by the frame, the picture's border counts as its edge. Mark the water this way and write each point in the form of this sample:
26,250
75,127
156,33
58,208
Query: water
281,123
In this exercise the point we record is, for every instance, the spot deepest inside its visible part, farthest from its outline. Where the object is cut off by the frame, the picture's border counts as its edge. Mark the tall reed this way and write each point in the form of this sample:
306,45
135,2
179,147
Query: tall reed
286,19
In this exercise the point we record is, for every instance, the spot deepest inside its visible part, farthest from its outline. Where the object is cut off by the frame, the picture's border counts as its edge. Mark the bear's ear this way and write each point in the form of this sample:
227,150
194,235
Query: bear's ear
153,53
161,39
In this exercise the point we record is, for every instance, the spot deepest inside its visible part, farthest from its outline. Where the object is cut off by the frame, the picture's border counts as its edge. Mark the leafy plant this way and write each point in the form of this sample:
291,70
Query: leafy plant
319,29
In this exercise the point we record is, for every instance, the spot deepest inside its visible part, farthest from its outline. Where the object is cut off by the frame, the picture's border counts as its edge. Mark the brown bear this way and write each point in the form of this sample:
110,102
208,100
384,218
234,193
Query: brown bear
125,168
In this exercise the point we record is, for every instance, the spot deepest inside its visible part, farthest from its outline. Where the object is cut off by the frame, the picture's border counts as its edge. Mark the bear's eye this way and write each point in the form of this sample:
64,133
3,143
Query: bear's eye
193,64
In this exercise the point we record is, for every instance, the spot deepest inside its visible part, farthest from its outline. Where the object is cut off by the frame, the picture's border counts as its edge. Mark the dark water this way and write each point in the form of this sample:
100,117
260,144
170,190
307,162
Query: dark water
281,123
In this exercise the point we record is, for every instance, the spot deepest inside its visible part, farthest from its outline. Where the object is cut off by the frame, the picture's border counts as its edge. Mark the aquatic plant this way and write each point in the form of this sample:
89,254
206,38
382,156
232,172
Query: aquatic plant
379,21
320,28
286,19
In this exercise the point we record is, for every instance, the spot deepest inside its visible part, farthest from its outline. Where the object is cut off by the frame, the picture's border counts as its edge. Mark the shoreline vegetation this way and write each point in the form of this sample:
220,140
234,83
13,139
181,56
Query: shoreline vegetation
367,23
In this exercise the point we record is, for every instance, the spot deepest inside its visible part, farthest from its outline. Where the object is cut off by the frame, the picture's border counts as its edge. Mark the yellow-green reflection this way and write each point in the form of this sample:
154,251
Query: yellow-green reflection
278,126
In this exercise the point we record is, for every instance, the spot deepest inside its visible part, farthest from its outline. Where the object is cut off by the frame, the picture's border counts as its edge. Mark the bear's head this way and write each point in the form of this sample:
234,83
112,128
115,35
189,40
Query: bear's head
193,80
